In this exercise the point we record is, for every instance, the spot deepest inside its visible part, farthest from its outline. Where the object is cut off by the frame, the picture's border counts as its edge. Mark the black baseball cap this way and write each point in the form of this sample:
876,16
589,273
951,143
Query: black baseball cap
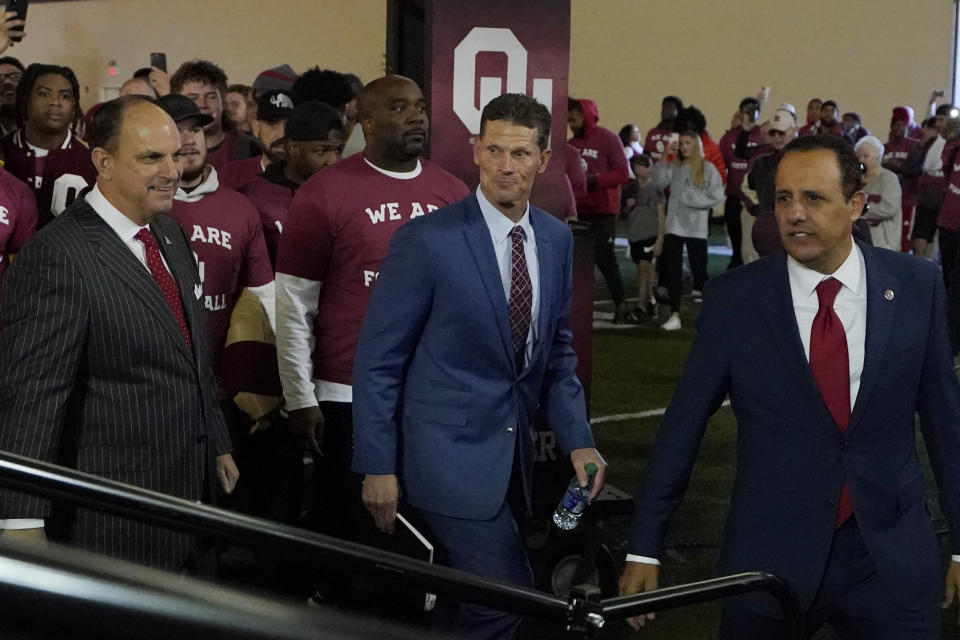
314,120
274,106
181,108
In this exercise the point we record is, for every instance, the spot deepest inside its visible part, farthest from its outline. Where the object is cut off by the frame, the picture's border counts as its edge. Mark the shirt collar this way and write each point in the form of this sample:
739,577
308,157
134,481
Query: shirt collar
123,226
500,225
399,175
804,281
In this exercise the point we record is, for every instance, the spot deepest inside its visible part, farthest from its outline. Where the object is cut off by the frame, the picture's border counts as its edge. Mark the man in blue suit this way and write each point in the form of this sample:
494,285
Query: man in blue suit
466,337
827,353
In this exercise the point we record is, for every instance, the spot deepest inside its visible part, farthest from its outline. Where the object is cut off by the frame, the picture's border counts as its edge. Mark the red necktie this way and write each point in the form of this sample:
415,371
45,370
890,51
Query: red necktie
830,364
521,296
166,282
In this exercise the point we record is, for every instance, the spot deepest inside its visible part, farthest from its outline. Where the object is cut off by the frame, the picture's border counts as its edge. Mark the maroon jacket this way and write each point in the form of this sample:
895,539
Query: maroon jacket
949,216
737,165
603,151
895,156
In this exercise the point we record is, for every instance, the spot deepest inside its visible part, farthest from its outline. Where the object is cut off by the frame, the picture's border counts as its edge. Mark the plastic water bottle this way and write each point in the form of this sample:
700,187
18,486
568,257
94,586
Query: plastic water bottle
568,513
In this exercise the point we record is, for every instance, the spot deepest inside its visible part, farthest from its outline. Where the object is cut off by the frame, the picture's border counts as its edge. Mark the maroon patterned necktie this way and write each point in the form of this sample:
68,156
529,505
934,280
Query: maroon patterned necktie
521,296
166,282
830,364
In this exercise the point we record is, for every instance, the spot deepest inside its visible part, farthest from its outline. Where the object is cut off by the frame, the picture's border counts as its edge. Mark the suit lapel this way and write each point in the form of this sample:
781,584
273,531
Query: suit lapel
778,308
477,235
119,260
879,325
167,234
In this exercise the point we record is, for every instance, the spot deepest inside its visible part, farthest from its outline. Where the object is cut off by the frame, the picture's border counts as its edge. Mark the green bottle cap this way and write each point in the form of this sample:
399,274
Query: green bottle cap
591,468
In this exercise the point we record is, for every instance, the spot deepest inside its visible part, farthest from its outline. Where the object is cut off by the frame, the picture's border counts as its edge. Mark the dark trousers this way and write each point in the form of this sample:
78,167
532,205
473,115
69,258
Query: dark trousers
731,215
949,240
673,258
851,598
337,509
603,229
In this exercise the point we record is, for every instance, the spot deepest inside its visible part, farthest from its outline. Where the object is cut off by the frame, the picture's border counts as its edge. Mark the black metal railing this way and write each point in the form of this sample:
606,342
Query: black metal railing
583,612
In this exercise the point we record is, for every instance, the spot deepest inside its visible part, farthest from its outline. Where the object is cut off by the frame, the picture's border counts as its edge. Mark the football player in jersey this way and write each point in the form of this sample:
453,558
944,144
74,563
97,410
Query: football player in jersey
206,84
43,151
313,139
336,235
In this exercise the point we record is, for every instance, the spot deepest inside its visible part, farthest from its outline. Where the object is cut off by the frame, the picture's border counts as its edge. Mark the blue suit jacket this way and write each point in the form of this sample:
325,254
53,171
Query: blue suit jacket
791,458
437,397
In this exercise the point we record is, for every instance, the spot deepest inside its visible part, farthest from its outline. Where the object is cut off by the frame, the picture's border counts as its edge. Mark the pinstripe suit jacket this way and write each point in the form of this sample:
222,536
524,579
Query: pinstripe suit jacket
95,375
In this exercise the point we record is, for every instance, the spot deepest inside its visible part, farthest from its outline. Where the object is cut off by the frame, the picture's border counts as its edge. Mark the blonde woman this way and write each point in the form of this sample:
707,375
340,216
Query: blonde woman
695,188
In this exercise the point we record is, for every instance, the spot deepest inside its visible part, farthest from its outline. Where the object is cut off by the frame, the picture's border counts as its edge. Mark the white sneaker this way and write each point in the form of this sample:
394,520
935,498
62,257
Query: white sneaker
672,324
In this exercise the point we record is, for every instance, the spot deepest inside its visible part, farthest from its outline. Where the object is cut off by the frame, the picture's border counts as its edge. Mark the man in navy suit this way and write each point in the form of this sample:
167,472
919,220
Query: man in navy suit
467,336
827,353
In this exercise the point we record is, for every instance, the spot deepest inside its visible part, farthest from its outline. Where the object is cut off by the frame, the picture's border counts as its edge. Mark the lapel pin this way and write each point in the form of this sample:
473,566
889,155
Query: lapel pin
888,294
167,239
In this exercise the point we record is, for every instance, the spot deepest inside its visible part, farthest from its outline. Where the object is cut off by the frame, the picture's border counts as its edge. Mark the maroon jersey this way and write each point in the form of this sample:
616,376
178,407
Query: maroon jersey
737,166
18,217
224,232
949,216
894,158
240,172
657,142
56,179
271,193
235,146
337,233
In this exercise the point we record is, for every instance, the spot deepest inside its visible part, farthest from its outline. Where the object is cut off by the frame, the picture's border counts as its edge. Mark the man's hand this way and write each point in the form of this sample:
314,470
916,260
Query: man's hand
307,424
639,577
34,535
10,28
579,458
380,496
160,82
227,473
658,247
951,587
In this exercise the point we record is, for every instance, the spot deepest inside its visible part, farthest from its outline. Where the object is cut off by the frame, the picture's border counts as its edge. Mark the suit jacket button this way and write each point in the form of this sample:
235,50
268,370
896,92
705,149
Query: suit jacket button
830,503
509,431
845,446
201,438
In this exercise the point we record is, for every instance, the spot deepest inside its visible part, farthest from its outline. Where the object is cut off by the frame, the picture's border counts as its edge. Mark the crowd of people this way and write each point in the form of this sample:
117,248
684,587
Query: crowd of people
188,299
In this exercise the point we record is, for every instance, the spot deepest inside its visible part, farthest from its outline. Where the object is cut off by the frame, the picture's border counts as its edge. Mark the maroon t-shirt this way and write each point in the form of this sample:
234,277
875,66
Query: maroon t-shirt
234,147
239,172
271,193
225,234
56,179
18,217
894,158
657,142
949,216
337,232
737,166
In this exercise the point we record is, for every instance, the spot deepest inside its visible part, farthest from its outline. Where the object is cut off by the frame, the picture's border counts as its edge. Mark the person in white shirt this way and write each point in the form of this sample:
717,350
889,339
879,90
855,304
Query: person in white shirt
827,354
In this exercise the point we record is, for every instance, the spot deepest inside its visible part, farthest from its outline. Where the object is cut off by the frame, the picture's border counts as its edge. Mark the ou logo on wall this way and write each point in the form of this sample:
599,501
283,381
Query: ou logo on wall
491,40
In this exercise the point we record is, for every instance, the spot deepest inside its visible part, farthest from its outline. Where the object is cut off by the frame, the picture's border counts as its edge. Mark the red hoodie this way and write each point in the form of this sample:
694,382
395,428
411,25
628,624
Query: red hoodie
603,152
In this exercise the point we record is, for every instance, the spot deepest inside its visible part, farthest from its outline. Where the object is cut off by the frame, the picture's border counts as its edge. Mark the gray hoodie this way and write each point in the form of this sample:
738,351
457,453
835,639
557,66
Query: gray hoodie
688,209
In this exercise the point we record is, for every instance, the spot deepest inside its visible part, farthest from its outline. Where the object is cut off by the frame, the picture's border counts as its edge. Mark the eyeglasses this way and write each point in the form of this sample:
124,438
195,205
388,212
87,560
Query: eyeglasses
13,77
776,132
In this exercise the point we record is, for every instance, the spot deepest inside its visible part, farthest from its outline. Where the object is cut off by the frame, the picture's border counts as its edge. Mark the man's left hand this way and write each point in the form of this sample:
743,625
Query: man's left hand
227,472
579,458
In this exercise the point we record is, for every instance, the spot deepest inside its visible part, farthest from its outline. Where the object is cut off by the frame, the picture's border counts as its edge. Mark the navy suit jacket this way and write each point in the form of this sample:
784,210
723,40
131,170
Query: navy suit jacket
791,459
437,396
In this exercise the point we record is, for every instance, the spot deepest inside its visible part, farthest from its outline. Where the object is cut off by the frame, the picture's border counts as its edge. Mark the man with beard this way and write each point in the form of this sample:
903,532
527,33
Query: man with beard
11,70
206,84
43,151
223,229
828,123
313,140
273,107
897,151
658,138
337,232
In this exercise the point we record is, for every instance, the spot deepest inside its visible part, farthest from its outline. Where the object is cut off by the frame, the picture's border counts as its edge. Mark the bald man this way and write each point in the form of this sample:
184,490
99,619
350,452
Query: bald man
103,363
336,235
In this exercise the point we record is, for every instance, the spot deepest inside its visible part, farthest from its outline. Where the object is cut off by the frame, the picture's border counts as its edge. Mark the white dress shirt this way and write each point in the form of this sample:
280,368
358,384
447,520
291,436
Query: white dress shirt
850,306
500,227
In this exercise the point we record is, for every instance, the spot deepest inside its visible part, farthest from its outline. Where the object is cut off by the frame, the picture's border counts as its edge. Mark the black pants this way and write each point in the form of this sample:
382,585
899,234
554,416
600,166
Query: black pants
603,229
731,215
673,259
852,598
337,508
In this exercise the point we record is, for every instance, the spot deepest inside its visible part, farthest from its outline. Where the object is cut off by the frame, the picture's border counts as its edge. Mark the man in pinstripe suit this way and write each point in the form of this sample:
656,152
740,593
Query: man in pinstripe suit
103,367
